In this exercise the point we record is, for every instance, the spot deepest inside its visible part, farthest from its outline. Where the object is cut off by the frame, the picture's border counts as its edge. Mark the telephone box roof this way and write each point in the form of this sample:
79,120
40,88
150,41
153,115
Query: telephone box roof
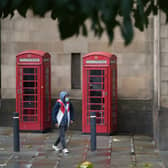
36,52
99,53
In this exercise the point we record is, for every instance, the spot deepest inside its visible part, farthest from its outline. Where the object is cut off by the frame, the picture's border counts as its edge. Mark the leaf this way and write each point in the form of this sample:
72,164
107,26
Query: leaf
40,7
84,30
126,6
22,9
54,14
127,31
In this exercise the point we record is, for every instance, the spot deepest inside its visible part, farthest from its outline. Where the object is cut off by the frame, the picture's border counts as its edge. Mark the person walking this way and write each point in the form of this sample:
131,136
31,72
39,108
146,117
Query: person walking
62,117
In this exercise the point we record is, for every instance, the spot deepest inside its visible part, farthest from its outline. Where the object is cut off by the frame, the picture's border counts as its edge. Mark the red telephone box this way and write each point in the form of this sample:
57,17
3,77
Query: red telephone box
33,90
100,92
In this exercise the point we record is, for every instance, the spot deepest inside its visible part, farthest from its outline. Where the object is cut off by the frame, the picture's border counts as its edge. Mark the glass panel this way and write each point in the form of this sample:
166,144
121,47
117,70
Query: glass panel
95,72
29,84
29,91
28,77
95,100
28,98
95,107
95,79
95,86
29,105
95,93
28,70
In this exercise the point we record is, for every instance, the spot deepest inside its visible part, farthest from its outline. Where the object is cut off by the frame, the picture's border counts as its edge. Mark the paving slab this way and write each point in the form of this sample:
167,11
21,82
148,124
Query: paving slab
164,157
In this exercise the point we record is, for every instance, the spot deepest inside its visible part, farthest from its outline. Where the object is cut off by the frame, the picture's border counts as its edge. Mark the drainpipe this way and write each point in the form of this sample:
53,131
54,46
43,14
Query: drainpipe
156,77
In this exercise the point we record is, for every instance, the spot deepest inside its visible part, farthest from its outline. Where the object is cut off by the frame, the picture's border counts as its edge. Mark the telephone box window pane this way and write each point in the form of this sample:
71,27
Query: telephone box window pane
28,98
95,107
95,93
95,100
28,77
95,72
28,70
29,84
28,91
95,86
28,104
95,79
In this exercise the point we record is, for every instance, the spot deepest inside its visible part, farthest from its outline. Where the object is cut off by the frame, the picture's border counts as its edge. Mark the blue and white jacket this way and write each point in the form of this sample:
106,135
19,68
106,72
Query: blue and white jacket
62,108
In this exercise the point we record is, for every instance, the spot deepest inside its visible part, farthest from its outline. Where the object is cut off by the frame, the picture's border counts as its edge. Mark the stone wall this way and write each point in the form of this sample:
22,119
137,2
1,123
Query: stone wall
135,63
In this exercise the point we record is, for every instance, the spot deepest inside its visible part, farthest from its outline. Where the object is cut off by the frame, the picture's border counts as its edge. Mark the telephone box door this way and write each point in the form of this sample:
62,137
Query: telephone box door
29,96
96,98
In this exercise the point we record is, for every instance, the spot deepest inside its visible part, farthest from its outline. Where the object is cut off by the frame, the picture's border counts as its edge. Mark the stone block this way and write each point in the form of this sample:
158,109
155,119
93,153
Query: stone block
163,45
76,94
8,93
164,58
7,24
76,45
164,101
99,46
43,36
162,18
8,57
8,75
133,58
57,47
22,46
60,59
164,73
134,87
60,78
135,46
133,70
164,31
164,88
14,36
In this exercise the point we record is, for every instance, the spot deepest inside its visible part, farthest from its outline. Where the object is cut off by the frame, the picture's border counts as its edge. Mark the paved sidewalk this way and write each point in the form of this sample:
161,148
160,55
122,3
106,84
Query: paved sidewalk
112,151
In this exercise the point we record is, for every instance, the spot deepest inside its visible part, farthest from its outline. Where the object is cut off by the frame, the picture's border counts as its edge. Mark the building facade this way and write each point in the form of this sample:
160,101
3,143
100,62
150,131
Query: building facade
142,70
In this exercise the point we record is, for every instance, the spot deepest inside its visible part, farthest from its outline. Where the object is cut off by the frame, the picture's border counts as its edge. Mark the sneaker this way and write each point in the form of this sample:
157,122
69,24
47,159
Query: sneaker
56,148
65,151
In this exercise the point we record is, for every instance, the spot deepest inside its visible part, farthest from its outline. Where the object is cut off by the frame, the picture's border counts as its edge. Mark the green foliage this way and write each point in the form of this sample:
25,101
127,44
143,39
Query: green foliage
105,15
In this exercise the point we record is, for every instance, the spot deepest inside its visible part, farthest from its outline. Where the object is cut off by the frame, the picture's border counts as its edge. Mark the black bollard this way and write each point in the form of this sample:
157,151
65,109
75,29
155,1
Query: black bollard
16,138
93,131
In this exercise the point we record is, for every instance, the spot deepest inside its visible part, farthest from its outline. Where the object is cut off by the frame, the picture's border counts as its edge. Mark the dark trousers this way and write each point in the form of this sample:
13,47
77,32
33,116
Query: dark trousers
61,137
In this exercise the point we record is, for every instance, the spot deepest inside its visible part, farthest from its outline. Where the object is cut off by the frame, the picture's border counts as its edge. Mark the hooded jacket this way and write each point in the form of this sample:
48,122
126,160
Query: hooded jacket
63,111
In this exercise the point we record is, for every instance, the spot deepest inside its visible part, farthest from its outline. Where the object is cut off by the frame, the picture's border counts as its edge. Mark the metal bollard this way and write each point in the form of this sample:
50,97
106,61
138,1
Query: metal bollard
93,131
16,138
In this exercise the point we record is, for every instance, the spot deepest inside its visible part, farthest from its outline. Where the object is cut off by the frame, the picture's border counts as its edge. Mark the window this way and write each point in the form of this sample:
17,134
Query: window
75,71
